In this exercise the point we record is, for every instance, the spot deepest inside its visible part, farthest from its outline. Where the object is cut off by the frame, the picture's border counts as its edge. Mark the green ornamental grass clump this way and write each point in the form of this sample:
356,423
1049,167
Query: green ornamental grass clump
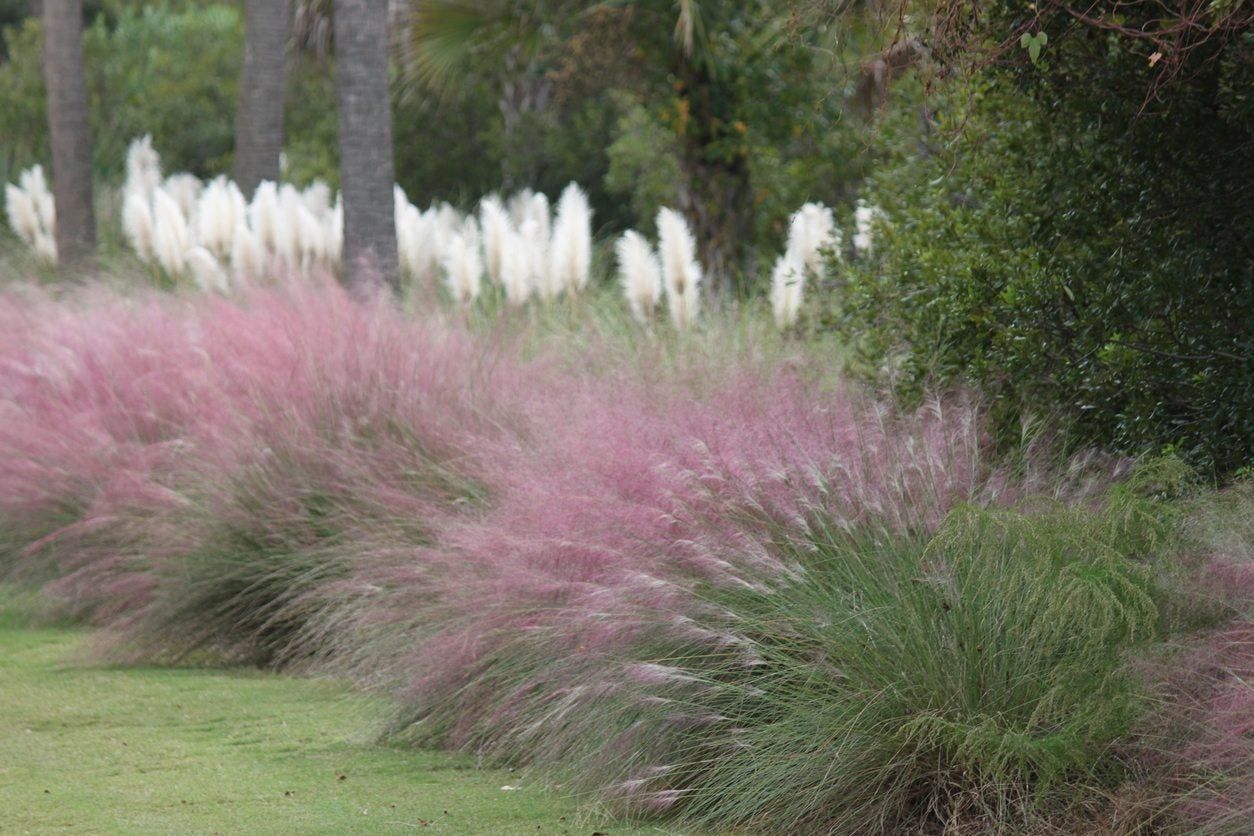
970,678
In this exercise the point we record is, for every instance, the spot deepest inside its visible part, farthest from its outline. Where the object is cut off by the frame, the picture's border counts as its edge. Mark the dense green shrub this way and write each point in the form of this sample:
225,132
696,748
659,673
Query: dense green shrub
171,73
1074,256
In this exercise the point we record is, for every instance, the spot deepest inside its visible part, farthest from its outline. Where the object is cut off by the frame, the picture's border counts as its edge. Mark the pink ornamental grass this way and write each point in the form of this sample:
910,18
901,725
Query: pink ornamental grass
115,406
600,529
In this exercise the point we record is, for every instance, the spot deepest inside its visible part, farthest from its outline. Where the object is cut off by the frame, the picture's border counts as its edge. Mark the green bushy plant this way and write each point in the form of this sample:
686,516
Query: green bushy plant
169,72
1080,262
886,682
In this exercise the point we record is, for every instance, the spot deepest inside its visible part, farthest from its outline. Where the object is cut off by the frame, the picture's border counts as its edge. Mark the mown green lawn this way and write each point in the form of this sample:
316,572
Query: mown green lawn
141,750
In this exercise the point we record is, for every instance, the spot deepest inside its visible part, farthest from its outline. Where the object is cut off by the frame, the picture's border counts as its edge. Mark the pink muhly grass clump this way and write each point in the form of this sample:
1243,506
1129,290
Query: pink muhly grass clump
132,423
503,638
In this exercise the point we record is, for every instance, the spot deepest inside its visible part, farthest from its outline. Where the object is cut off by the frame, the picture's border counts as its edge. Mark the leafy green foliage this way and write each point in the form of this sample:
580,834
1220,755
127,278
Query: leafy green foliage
1077,260
171,73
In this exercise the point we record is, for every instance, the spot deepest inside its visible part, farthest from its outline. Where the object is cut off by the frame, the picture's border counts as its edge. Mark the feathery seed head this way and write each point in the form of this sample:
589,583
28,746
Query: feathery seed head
640,274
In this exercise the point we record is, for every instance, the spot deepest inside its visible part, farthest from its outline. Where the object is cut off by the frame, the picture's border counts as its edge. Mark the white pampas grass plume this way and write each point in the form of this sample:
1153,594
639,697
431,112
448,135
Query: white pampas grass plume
399,200
22,215
640,273
185,189
469,229
787,286
248,257
516,267
32,213
864,218
317,199
409,231
170,237
448,223
287,232
537,211
427,247
35,185
463,269
333,227
535,242
143,168
206,271
46,248
137,225
263,214
518,207
570,254
311,239
220,209
681,274
496,226
811,230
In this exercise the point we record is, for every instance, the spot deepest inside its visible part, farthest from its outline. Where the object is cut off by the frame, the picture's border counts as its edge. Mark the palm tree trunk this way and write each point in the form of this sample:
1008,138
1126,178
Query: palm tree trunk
69,128
716,195
365,127
262,88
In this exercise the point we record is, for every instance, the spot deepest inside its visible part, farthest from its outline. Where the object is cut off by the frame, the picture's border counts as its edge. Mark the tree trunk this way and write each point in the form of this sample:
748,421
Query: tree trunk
717,195
717,199
69,128
365,123
262,89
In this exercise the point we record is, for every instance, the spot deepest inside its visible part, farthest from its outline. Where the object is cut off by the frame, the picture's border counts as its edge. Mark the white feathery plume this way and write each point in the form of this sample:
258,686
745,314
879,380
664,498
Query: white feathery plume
310,238
185,189
864,218
680,272
220,209
206,271
518,206
248,257
399,200
317,198
287,234
409,223
787,286
46,248
170,237
448,222
535,242
496,226
35,185
22,215
263,214
640,273
469,229
463,269
426,247
537,211
811,230
570,254
137,224
143,168
334,230
516,267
